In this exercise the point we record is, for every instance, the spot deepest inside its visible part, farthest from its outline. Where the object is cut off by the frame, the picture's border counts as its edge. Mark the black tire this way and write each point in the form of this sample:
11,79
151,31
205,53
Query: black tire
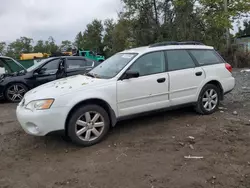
200,107
80,112
15,92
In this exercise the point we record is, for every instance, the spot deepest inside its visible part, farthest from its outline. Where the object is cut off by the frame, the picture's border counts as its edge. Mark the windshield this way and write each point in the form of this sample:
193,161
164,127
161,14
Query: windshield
8,66
33,67
113,65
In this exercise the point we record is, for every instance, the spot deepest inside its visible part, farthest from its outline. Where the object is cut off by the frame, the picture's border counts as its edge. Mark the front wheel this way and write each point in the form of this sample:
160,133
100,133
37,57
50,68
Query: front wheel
88,125
208,100
15,92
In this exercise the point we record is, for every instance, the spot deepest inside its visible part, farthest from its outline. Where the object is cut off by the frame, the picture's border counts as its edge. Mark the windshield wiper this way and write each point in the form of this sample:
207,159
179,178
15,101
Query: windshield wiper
91,75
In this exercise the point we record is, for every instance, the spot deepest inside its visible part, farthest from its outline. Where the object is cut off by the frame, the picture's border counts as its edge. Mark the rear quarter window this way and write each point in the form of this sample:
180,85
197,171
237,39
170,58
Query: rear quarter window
206,57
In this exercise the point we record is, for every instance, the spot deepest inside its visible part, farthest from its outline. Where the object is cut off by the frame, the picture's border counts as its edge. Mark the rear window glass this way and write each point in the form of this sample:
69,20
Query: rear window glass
206,57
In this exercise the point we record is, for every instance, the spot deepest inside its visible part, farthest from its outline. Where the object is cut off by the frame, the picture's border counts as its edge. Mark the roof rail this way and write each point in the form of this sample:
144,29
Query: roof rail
167,43
191,43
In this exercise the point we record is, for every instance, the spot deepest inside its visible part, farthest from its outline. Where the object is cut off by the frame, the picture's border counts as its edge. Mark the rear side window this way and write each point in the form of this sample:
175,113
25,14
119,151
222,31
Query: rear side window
206,57
76,63
89,63
179,59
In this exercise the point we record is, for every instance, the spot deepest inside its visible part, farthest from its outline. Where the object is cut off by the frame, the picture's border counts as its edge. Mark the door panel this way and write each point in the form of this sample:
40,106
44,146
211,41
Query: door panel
184,85
142,94
185,77
147,92
47,73
44,78
76,71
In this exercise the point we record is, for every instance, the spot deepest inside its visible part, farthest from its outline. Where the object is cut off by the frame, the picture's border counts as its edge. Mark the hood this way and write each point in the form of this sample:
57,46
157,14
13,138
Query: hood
4,75
63,86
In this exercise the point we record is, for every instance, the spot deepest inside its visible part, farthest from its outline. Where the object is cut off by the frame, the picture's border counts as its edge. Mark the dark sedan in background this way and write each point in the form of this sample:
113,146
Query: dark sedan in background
15,80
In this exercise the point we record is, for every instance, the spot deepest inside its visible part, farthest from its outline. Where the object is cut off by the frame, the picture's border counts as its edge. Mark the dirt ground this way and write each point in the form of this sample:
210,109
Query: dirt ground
147,152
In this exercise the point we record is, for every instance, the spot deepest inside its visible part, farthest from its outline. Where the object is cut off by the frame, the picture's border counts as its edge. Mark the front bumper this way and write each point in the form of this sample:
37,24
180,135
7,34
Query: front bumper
41,122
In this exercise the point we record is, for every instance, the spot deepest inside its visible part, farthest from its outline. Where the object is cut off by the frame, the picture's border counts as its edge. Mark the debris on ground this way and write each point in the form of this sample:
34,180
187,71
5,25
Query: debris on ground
181,143
247,123
245,70
191,137
191,140
222,108
235,113
246,88
191,146
193,157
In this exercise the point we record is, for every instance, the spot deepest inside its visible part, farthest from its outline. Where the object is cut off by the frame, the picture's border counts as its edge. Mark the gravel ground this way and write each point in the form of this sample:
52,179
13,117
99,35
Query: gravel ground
146,152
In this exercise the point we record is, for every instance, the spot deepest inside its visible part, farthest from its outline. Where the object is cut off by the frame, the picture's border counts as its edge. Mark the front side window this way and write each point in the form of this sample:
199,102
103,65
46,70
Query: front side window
179,59
38,64
113,65
51,66
151,63
205,57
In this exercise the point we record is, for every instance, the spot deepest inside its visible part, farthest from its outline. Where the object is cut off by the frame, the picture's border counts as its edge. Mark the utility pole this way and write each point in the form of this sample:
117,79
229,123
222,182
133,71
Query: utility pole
227,29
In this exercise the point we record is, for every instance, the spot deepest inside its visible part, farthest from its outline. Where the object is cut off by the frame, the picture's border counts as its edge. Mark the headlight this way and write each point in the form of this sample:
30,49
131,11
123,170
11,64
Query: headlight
39,104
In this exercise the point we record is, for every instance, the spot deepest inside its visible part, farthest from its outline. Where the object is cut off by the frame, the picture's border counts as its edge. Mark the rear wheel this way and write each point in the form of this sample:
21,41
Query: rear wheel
15,92
88,125
209,99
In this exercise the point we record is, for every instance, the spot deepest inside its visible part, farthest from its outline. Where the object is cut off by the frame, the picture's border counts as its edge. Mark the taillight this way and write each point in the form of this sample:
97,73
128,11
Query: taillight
229,67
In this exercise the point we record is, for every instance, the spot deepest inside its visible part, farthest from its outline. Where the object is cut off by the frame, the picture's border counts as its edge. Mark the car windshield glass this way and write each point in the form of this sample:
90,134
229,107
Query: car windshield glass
9,66
33,67
112,66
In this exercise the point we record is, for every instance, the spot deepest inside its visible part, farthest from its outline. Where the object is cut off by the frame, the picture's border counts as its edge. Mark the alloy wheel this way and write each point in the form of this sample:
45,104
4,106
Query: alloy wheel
16,92
210,99
89,126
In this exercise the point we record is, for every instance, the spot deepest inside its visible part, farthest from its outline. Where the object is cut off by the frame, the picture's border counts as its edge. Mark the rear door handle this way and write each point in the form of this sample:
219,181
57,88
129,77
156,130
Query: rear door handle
198,73
161,80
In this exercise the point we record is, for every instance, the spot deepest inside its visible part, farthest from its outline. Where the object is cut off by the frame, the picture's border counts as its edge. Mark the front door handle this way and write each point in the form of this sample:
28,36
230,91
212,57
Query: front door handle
161,80
198,73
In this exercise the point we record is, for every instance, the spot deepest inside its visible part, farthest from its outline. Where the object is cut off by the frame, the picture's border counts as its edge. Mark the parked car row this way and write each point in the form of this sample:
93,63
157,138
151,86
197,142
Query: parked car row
15,80
131,82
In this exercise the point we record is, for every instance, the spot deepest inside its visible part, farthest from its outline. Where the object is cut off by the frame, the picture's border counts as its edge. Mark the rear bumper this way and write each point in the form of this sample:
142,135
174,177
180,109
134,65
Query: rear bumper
228,85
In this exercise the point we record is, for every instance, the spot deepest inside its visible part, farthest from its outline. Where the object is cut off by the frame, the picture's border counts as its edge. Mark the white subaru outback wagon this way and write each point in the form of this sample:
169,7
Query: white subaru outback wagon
131,82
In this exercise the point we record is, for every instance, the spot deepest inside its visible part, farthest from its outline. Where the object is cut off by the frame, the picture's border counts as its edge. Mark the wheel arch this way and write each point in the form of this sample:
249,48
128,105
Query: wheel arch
14,82
95,101
217,84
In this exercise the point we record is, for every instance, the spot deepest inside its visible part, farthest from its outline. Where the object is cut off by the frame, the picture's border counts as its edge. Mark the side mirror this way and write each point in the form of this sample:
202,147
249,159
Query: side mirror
40,71
131,74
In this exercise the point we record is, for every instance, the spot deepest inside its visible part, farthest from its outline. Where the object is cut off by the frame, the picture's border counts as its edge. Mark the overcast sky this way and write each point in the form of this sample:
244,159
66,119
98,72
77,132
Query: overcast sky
62,19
